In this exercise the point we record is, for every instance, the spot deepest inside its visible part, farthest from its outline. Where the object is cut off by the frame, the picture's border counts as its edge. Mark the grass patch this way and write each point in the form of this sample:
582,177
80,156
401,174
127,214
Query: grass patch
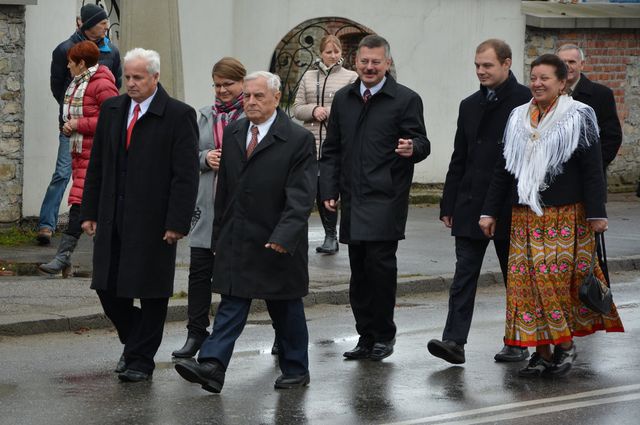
14,236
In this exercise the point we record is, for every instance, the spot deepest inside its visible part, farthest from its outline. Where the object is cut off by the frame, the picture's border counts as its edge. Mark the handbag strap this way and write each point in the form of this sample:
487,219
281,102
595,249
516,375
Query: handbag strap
602,258
601,252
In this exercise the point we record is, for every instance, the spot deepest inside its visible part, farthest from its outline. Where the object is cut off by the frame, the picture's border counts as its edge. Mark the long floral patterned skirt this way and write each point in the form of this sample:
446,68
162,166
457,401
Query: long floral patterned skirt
548,259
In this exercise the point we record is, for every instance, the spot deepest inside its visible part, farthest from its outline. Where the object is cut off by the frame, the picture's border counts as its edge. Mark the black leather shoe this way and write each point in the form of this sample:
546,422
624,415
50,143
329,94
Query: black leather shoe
131,375
562,360
274,348
382,350
360,352
287,382
510,353
209,374
189,349
537,366
447,350
121,366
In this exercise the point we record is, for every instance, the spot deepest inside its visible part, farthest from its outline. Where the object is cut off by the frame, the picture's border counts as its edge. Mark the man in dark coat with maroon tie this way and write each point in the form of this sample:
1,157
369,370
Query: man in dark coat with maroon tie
266,189
139,196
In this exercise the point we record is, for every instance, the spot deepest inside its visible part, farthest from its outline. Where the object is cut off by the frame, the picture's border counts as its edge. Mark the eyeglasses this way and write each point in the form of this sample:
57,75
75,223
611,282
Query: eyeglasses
224,85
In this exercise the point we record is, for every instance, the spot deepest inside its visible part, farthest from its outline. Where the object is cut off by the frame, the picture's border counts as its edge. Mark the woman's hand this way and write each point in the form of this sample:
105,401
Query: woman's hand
488,226
599,225
213,159
70,126
320,113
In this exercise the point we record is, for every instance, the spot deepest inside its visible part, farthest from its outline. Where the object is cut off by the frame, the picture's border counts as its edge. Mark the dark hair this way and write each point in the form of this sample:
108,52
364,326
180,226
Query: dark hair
330,39
86,51
230,68
552,60
373,41
502,49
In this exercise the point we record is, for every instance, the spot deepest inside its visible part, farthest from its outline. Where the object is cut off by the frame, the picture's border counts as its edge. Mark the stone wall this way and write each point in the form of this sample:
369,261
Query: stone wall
612,59
12,25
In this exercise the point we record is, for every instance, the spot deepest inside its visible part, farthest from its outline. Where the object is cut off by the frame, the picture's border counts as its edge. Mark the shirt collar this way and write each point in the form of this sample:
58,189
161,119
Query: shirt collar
144,105
375,89
263,128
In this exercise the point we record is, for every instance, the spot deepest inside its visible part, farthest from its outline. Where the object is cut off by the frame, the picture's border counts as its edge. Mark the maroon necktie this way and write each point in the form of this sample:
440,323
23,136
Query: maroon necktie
254,140
136,111
366,95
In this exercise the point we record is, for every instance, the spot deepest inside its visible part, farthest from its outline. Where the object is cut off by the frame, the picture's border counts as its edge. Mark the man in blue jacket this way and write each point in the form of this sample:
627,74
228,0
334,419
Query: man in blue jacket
93,26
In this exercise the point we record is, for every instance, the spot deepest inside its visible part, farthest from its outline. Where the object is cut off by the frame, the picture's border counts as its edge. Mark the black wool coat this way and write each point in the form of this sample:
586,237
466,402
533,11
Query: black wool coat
359,164
477,146
161,186
601,99
266,198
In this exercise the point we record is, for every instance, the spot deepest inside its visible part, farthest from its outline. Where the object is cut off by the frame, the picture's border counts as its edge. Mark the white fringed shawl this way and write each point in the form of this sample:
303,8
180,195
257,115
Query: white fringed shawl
535,154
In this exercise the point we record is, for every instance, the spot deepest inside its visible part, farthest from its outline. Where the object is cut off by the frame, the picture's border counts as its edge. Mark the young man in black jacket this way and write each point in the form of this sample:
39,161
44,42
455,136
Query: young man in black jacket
477,146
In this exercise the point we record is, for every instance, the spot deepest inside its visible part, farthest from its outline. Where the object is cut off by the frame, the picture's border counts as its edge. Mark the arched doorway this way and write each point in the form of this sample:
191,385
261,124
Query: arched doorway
298,50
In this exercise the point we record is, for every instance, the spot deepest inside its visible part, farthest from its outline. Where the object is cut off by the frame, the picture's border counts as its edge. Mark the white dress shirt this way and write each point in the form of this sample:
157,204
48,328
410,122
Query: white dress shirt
263,128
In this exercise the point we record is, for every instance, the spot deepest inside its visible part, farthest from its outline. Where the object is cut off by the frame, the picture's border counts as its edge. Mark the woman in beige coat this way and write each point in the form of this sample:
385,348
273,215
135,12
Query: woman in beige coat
313,105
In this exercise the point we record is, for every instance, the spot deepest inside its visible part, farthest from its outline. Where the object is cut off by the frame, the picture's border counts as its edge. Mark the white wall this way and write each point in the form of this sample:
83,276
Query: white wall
432,41
47,24
433,44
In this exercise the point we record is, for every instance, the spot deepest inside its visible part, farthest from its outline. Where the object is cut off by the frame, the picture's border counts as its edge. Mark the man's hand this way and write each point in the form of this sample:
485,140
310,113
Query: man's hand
599,225
278,248
213,159
172,237
331,205
89,227
488,226
405,148
447,220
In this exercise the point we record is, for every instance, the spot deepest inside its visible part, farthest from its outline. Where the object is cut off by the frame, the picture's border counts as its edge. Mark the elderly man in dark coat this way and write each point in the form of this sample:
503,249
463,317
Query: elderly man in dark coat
266,189
139,195
477,146
376,134
598,96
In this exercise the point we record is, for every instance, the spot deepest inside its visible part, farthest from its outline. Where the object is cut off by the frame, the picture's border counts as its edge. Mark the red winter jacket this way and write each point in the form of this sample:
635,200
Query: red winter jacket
102,86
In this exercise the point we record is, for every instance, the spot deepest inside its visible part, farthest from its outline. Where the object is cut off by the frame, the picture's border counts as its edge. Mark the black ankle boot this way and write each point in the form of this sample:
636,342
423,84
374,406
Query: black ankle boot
190,348
330,245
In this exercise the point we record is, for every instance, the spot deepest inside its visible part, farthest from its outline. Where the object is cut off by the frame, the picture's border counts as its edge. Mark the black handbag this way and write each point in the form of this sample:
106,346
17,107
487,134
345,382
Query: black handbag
595,294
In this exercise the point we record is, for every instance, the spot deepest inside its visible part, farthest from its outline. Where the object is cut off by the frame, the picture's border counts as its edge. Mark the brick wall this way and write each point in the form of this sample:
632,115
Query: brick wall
612,59
11,111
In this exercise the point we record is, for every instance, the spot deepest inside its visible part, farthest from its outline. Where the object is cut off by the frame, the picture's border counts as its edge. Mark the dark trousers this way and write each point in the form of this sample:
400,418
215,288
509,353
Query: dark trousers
372,290
74,228
462,294
139,328
288,320
199,295
329,218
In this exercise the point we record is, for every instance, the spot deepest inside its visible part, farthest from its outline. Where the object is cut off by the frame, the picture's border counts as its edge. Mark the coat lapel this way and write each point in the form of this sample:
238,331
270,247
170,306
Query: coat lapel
278,131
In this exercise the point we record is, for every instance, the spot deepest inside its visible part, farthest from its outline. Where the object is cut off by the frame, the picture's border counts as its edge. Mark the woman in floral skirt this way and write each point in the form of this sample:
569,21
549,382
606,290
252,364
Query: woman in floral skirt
552,169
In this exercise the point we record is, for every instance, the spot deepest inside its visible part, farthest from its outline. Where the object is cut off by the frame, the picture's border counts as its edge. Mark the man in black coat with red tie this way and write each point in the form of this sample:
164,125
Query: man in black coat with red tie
599,97
139,196
477,145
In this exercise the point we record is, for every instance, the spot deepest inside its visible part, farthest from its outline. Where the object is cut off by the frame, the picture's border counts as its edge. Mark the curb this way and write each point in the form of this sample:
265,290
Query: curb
337,294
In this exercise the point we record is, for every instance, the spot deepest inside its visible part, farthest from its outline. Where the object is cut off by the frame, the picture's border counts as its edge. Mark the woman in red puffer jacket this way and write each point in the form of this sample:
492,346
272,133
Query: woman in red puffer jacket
92,84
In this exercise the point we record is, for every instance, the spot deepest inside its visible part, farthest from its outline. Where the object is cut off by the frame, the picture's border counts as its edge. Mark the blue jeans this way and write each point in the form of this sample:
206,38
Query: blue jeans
55,191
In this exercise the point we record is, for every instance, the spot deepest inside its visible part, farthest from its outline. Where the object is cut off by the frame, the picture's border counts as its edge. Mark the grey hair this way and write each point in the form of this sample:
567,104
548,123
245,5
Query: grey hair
373,41
571,47
151,57
273,80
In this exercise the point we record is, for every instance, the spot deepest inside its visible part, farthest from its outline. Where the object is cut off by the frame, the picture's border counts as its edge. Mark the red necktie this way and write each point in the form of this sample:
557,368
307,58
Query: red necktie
366,95
254,140
136,111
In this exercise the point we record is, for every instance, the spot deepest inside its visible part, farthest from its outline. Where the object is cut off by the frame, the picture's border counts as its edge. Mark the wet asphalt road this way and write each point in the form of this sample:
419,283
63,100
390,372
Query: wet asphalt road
67,378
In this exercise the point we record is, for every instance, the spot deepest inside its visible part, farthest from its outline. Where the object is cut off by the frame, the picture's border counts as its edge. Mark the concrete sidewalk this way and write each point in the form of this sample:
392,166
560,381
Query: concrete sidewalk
33,304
